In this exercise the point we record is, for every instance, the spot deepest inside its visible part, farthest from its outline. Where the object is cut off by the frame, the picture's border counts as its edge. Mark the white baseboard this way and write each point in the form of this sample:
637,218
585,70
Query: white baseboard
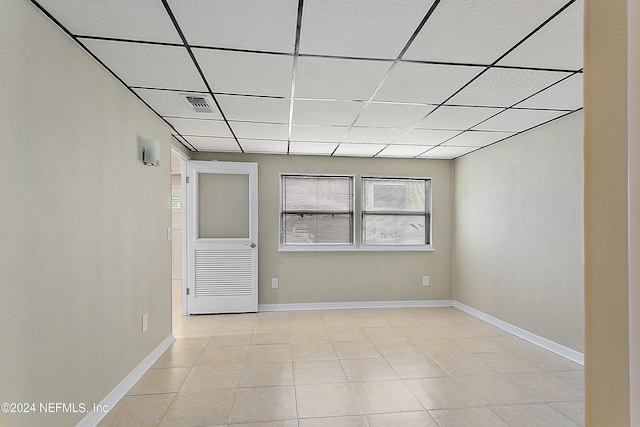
346,305
525,335
93,418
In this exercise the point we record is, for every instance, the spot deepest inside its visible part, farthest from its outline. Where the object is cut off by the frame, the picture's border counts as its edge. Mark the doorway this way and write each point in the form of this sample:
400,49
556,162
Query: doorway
178,309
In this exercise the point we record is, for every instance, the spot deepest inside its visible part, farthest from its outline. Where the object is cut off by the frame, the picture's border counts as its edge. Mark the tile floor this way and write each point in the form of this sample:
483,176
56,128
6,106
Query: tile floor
370,367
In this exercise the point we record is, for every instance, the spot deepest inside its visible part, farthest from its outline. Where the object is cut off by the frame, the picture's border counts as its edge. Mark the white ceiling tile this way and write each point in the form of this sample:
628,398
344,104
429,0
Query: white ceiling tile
239,24
372,135
458,118
477,138
392,115
444,152
478,31
424,83
559,44
359,28
325,112
358,150
312,148
255,109
518,120
170,103
502,87
201,127
565,95
318,133
249,130
408,151
426,137
263,146
154,66
332,78
144,20
246,73
208,143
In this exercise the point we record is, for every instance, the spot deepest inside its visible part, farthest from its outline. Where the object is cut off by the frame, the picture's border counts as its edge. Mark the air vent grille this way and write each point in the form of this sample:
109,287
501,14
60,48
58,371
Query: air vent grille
199,104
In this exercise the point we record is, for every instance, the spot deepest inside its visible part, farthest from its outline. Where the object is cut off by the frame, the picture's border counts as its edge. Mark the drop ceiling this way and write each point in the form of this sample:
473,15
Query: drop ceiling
386,78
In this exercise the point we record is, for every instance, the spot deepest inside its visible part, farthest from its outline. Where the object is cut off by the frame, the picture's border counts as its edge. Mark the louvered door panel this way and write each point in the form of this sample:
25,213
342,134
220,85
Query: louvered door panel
224,273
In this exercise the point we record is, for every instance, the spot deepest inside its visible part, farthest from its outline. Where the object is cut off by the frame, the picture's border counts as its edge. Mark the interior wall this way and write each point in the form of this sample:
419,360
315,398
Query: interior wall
351,276
84,252
633,79
606,215
519,231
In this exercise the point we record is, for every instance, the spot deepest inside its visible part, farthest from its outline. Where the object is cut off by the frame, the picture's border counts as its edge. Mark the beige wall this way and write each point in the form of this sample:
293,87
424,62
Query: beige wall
633,49
519,231
606,226
83,252
312,277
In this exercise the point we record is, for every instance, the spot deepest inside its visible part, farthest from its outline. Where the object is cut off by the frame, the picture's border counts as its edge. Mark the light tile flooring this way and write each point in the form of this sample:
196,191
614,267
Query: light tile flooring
369,367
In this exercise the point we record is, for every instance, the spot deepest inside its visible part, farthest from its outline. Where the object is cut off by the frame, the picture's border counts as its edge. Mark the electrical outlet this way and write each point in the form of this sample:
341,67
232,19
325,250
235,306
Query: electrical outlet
425,280
145,323
274,283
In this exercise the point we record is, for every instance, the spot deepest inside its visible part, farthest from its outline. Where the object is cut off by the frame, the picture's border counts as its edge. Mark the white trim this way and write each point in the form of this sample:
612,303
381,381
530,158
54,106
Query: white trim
347,305
93,418
525,335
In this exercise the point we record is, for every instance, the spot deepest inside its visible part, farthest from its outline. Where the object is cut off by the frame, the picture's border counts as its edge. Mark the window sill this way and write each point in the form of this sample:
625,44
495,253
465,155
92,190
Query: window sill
316,248
351,248
396,248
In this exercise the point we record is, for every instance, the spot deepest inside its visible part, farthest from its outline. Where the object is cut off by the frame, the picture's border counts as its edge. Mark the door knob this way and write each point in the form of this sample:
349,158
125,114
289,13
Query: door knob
253,245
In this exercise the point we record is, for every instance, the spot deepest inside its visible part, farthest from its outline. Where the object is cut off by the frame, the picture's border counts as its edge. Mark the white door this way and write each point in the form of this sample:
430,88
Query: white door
223,237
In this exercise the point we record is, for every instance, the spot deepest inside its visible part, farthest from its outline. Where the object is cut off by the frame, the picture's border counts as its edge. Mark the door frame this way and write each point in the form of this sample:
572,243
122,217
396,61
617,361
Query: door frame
183,190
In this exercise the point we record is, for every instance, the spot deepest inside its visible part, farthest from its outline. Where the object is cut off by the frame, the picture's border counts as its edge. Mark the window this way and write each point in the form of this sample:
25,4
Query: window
316,211
396,211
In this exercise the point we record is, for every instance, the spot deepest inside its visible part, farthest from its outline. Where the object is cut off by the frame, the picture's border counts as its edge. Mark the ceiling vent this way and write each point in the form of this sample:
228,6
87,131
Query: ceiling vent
199,103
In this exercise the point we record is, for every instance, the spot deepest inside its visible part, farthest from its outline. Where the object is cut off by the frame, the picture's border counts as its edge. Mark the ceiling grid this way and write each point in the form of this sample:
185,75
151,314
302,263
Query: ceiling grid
393,78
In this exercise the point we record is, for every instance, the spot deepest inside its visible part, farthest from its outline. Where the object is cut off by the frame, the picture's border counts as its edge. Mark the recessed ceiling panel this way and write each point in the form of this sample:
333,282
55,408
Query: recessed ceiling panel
152,66
458,118
246,73
424,83
565,95
312,148
256,109
477,138
264,146
325,112
201,127
444,152
208,143
406,151
358,150
518,120
425,137
556,45
392,115
478,31
372,135
332,78
170,103
502,87
239,24
144,20
359,28
249,130
318,133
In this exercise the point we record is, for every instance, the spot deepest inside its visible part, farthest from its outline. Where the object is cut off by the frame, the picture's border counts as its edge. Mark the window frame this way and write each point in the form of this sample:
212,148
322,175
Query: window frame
396,247
293,247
